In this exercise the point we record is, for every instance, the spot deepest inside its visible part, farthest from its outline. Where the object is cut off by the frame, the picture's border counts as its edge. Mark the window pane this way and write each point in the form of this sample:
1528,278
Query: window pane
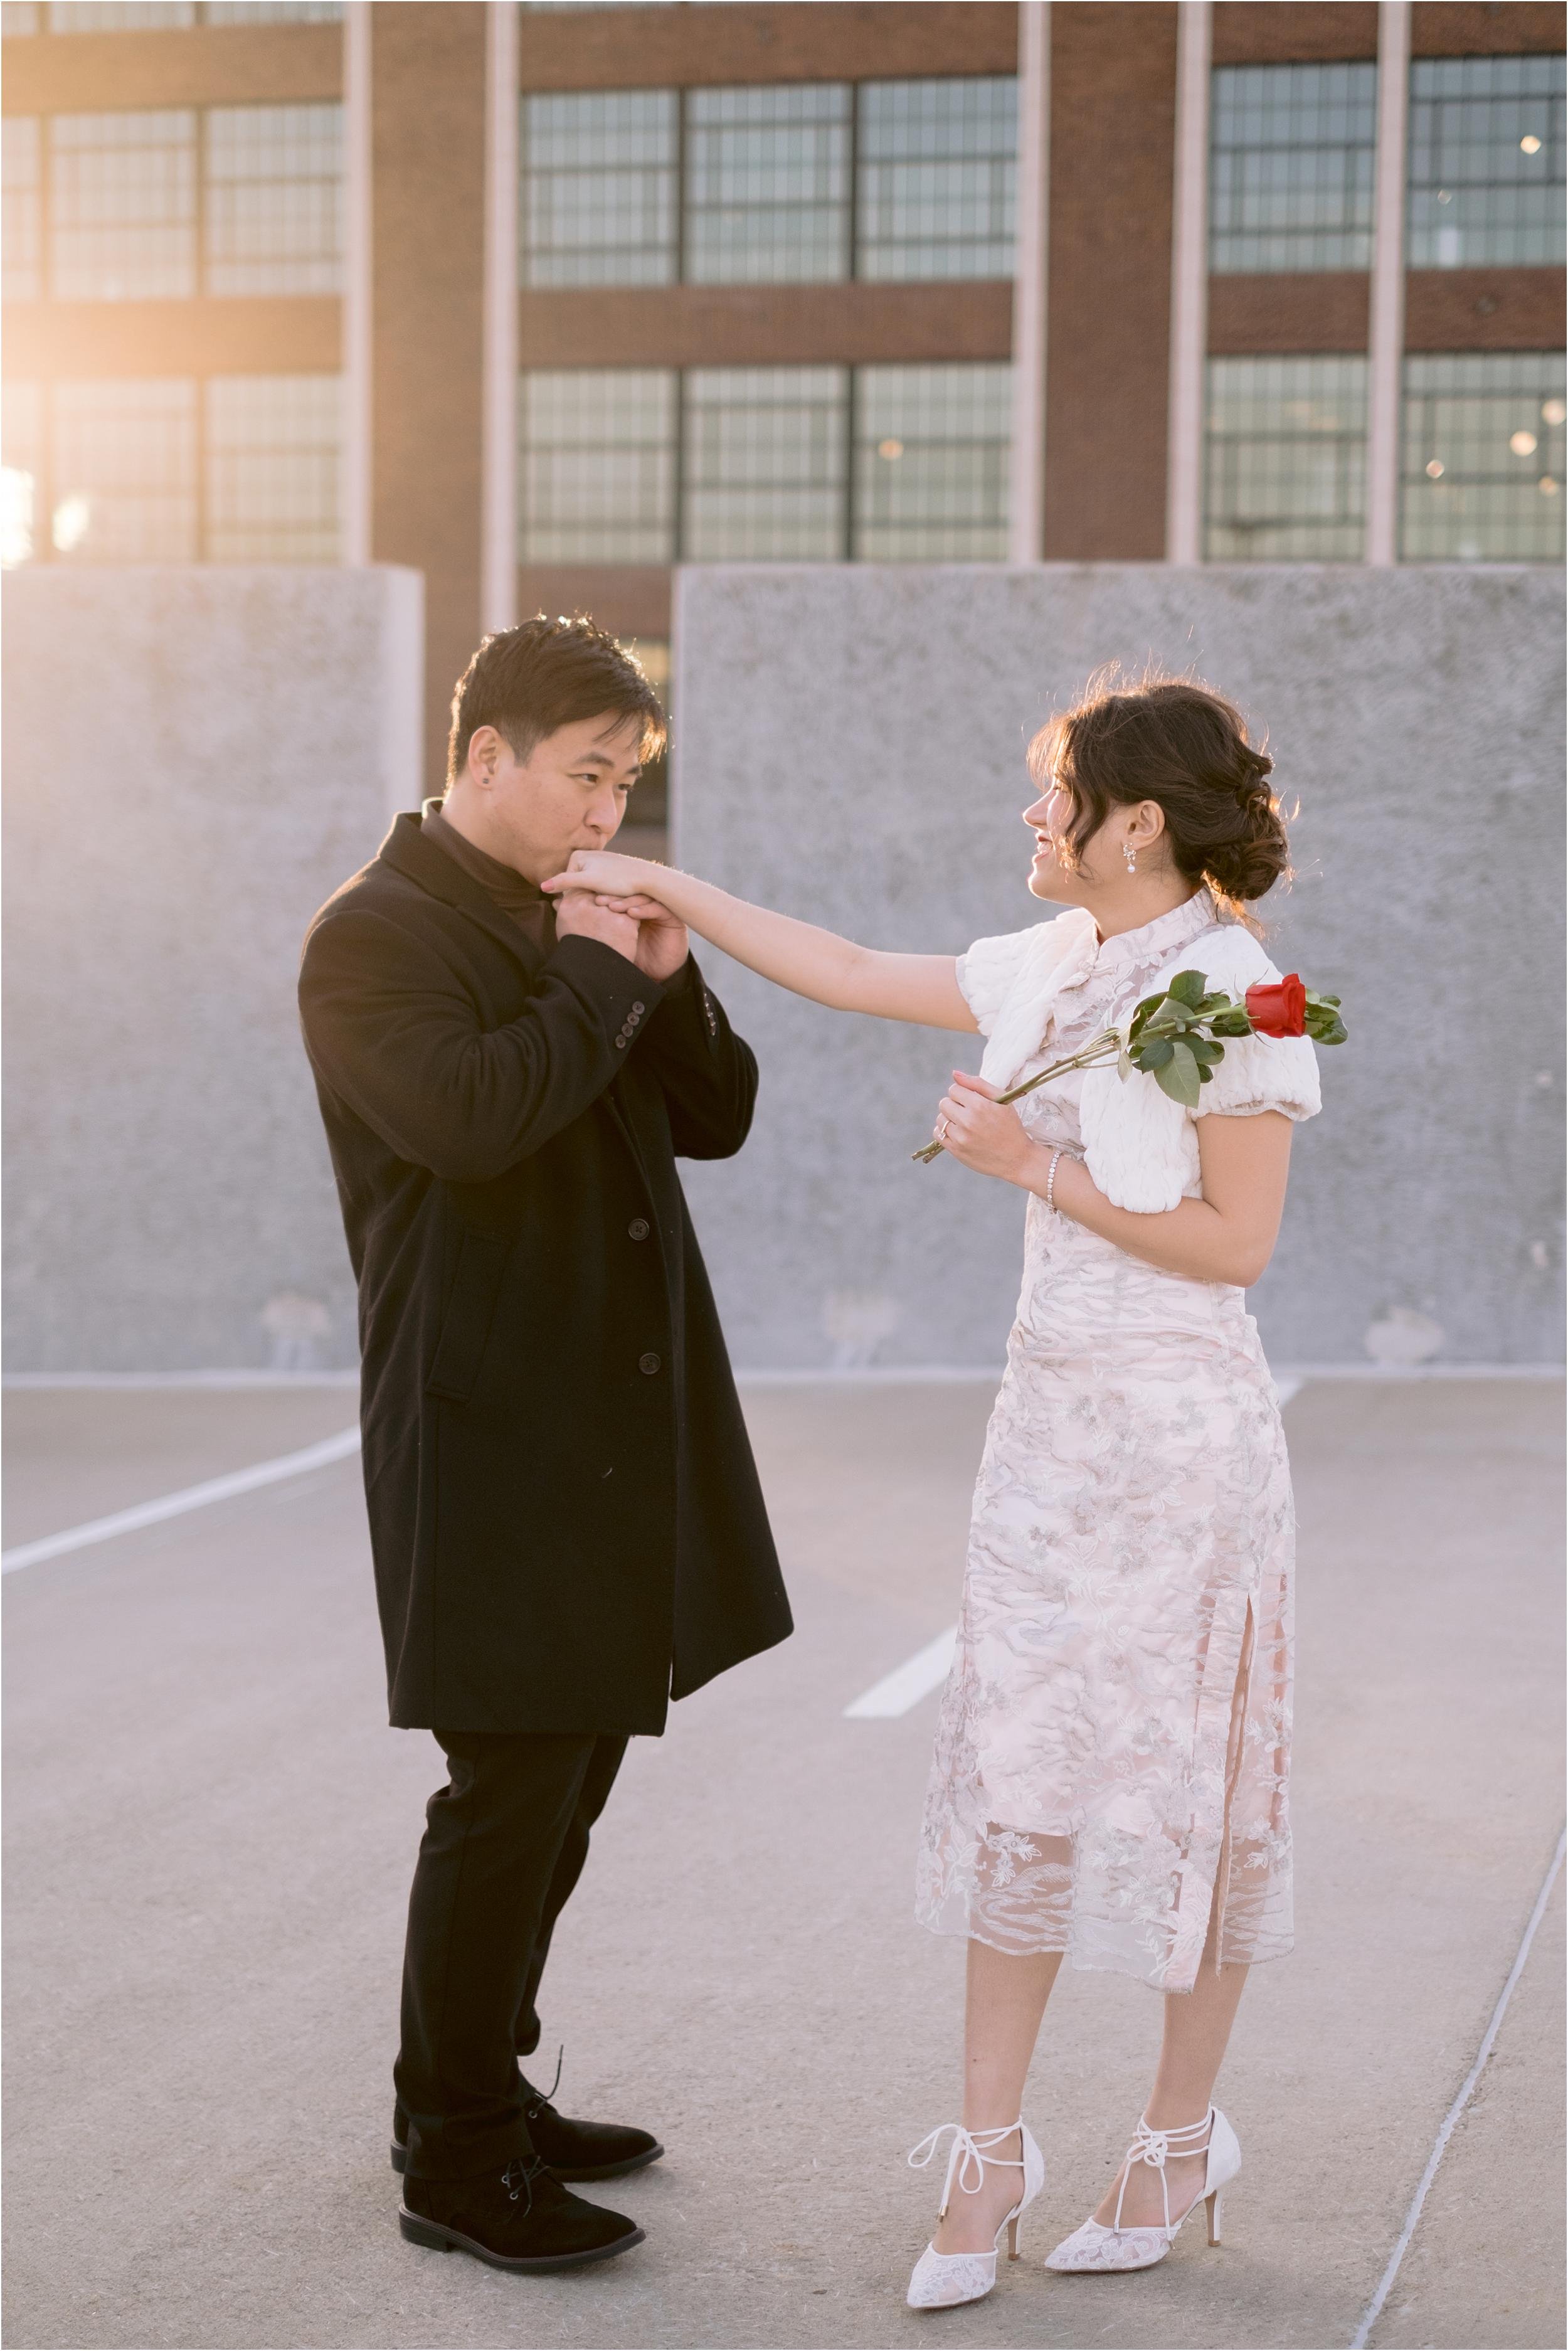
1290,165
122,219
1286,461
273,450
21,471
767,197
18,16
124,474
271,12
764,470
21,217
931,464
119,16
1483,458
274,199
599,188
1486,161
597,472
935,178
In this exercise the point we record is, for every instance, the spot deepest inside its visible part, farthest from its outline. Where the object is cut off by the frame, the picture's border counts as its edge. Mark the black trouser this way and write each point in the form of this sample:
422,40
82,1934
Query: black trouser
505,1845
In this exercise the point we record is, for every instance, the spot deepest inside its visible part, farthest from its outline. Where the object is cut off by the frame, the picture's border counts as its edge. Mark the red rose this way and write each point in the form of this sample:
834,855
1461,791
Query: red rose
1278,1010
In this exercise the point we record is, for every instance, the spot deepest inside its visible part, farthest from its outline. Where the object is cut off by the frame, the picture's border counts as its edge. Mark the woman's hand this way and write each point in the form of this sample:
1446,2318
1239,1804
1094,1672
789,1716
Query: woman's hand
610,874
980,1133
628,887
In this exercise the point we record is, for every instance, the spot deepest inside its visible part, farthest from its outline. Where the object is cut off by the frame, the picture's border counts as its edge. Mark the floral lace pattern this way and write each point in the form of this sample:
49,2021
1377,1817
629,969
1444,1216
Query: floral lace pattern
1113,1749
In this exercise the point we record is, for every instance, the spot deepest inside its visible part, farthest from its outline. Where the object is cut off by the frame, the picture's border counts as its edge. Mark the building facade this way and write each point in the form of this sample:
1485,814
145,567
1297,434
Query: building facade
547,300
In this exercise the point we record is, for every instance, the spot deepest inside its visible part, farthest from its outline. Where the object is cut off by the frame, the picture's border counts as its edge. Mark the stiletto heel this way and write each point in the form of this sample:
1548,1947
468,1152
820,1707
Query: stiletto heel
941,2281
1096,2247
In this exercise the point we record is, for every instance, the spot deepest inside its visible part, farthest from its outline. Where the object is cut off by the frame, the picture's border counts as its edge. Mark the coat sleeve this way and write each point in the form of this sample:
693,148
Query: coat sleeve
708,1074
390,1029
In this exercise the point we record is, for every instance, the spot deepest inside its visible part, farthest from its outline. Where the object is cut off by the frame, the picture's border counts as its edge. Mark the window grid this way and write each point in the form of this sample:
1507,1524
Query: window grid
161,15
163,204
596,479
936,165
764,464
932,447
235,469
767,465
599,188
1483,461
769,185
22,215
1291,152
1486,170
1285,479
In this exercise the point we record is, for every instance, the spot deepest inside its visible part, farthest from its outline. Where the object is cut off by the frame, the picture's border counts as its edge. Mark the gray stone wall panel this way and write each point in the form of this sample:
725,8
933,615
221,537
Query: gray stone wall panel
194,759
850,749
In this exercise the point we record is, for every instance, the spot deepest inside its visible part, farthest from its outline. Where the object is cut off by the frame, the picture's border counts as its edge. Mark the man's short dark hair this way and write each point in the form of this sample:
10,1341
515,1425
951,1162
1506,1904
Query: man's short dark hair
528,681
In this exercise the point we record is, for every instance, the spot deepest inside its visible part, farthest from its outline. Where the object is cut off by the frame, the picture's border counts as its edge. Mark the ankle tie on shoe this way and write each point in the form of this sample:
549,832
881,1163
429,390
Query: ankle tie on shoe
1154,2147
968,2147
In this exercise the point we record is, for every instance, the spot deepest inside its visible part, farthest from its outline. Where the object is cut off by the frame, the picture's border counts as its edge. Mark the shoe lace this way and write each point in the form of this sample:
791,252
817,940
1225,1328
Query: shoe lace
1154,2147
968,2148
539,2099
518,2179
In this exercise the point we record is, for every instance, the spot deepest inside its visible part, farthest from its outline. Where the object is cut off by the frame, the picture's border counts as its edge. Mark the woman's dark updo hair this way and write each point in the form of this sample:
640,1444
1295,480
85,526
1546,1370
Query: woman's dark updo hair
1166,739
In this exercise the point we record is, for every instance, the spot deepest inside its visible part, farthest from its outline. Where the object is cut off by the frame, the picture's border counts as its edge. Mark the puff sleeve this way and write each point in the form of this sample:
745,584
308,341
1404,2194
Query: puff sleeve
1258,1073
986,972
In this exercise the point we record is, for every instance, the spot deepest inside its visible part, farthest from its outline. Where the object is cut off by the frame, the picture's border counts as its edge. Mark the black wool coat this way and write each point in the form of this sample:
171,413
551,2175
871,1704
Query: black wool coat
566,1520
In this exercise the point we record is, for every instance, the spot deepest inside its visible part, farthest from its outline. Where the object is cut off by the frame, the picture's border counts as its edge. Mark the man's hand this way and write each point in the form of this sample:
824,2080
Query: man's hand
580,914
623,886
662,943
980,1133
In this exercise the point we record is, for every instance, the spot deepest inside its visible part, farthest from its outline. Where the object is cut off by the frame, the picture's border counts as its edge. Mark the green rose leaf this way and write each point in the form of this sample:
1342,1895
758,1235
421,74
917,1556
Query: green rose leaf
1179,1077
1155,1053
1188,987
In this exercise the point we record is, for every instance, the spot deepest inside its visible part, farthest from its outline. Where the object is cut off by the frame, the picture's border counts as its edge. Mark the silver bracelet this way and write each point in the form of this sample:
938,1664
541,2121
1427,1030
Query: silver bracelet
1057,1156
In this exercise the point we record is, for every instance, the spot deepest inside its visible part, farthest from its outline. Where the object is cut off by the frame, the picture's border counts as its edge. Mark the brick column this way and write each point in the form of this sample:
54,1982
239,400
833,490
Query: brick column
427,141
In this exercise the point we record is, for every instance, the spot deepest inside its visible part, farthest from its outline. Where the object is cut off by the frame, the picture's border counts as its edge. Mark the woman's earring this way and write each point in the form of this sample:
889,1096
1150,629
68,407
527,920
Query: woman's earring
1131,855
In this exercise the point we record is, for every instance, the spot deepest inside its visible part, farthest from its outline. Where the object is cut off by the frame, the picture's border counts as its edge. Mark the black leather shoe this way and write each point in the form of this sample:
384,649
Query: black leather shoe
519,2219
573,2150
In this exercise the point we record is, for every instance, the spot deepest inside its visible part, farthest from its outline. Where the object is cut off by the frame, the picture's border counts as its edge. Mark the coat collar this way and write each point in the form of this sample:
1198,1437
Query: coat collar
427,865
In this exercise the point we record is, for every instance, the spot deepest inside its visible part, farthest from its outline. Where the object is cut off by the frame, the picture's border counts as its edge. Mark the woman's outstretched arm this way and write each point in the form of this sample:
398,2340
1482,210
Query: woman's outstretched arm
797,955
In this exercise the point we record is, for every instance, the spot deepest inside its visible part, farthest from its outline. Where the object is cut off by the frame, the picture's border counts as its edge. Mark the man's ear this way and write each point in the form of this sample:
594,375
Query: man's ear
484,756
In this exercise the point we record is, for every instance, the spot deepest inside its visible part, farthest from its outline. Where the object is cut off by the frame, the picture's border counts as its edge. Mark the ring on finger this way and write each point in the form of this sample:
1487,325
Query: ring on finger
942,1130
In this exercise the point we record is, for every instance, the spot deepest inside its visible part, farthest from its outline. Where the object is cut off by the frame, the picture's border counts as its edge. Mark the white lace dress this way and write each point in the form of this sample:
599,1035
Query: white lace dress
1113,1749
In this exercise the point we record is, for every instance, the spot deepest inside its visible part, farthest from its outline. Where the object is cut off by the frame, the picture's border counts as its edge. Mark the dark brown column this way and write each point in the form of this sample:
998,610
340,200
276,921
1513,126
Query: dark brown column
427,80
1113,140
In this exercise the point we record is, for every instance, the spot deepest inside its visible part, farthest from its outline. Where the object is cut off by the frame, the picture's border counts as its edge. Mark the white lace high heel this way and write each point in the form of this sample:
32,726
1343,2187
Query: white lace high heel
942,2280
1096,2247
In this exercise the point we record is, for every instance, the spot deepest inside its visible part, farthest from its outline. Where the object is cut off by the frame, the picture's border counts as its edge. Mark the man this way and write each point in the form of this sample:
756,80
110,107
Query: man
567,1524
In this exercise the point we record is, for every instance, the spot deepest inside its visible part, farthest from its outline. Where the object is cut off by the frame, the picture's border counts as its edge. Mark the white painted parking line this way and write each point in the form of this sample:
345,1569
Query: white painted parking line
189,1498
1373,2310
907,1683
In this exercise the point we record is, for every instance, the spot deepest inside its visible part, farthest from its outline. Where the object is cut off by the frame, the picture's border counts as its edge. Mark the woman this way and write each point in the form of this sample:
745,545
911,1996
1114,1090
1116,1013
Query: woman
1110,1772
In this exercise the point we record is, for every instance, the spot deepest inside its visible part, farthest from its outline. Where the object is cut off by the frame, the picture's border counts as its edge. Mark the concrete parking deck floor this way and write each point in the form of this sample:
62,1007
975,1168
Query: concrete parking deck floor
211,1833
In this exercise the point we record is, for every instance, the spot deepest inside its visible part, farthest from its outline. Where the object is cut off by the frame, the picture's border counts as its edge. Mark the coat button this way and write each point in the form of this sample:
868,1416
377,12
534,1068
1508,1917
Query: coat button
637,1011
648,1363
639,1228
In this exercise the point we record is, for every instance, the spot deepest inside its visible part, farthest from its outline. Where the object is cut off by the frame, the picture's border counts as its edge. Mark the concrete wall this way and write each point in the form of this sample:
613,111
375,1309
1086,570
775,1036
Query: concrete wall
851,750
193,761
